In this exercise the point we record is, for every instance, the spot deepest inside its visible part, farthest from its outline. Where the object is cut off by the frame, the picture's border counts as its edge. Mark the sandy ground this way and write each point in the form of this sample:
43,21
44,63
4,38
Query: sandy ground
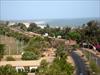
49,57
16,57
70,60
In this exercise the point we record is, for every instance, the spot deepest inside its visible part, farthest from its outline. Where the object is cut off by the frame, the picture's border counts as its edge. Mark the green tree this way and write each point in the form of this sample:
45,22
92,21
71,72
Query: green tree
22,26
33,27
43,67
74,35
37,45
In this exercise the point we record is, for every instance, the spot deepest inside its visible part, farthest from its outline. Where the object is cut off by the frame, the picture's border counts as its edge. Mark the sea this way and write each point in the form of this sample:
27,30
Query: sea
74,22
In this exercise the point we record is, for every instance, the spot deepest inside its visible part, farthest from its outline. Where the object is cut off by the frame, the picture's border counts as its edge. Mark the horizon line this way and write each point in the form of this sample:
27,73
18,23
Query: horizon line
47,19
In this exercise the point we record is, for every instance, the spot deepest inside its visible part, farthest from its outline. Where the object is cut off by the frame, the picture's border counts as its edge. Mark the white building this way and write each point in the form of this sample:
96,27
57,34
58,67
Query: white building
59,36
41,24
45,35
27,24
11,23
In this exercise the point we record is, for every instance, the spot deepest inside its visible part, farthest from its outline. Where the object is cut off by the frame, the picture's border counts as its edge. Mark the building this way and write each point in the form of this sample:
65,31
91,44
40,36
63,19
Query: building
40,24
20,65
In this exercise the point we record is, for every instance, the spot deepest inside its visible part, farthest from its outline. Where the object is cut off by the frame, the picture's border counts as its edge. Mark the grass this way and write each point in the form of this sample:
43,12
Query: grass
94,67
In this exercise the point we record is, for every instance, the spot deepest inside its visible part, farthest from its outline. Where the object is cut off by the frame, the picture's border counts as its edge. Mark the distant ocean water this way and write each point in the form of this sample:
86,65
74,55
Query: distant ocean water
60,22
69,22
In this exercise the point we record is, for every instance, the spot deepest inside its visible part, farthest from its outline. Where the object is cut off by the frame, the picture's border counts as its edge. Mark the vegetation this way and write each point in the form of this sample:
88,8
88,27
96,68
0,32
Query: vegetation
2,48
61,52
90,32
74,35
8,32
92,63
21,26
29,56
95,68
33,27
54,32
35,47
58,67
9,70
42,68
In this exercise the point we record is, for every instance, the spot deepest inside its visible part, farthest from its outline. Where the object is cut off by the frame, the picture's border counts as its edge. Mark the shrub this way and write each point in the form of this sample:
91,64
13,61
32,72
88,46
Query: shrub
94,67
29,56
2,48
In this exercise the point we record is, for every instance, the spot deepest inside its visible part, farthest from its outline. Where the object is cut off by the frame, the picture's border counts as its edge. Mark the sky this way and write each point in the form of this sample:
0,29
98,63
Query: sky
46,9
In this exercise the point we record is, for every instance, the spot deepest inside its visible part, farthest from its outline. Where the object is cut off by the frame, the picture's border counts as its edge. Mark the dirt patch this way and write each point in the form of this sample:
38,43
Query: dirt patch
12,45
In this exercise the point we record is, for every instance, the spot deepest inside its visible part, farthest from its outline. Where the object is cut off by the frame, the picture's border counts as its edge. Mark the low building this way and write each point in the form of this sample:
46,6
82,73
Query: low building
59,36
45,35
20,65
41,24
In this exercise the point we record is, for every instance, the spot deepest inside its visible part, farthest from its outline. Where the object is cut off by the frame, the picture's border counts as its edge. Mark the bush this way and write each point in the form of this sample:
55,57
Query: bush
94,67
74,36
2,48
10,70
9,58
29,56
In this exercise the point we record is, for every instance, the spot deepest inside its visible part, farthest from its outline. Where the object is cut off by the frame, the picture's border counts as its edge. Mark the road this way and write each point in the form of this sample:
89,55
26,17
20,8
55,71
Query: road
80,64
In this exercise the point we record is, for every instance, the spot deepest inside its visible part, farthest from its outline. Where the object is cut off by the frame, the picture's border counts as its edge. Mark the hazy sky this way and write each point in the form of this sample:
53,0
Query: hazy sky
28,9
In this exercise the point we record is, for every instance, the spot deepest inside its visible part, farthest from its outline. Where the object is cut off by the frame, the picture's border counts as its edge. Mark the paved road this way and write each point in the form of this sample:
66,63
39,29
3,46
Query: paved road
80,65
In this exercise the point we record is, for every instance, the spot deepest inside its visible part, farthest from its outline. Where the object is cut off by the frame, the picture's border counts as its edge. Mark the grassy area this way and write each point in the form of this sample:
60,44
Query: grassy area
94,67
13,46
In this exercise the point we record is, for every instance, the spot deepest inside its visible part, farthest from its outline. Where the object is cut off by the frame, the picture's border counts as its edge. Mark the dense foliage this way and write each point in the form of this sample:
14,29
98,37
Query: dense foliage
9,70
58,67
35,47
74,35
54,32
33,27
29,56
90,32
94,68
8,32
